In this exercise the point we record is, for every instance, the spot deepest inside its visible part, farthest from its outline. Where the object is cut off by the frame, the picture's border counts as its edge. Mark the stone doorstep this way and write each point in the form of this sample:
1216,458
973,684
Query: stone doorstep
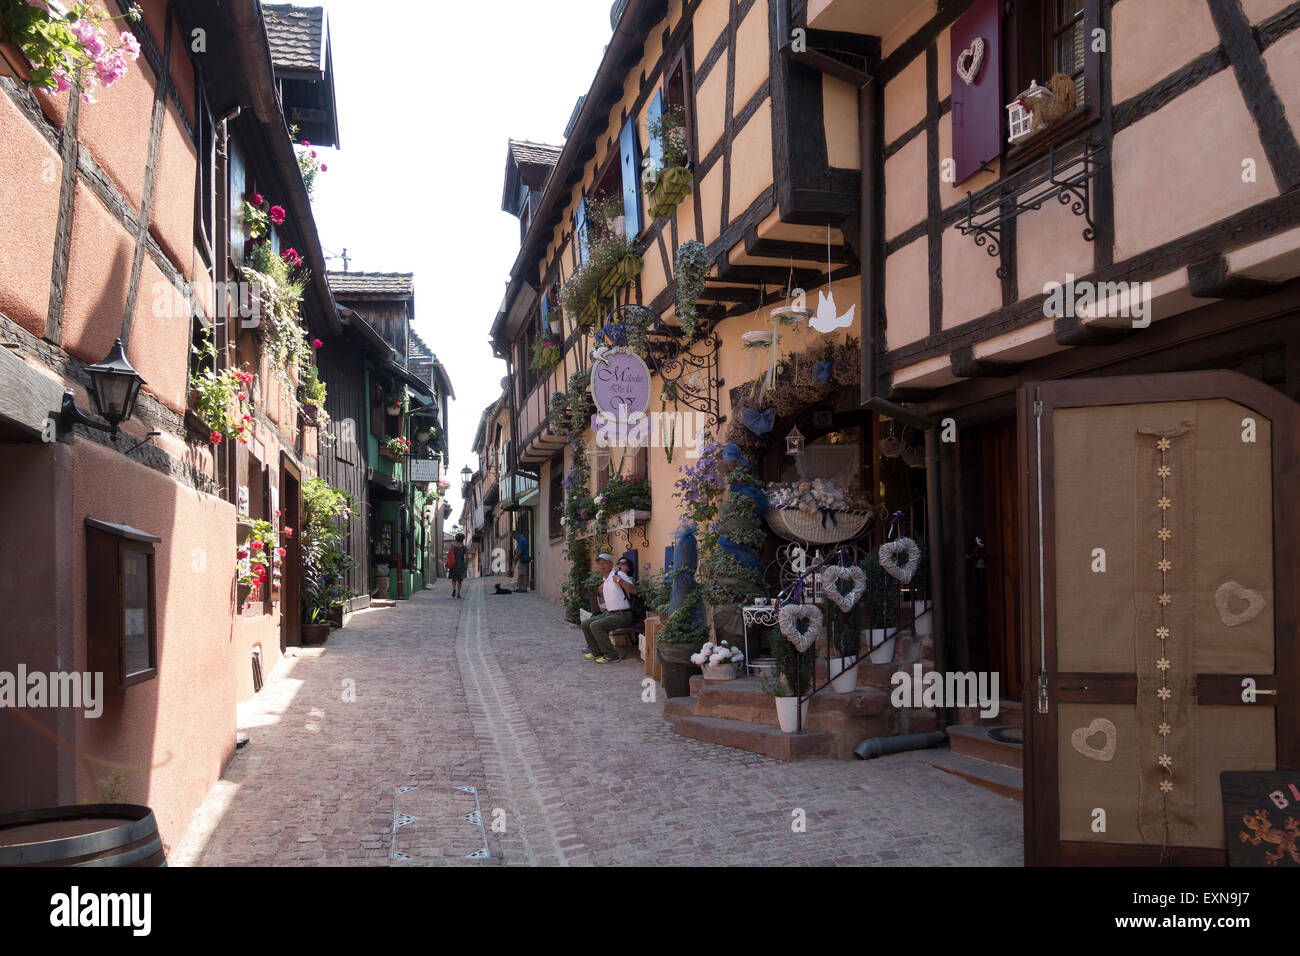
1011,713
743,696
676,707
976,742
756,738
1002,780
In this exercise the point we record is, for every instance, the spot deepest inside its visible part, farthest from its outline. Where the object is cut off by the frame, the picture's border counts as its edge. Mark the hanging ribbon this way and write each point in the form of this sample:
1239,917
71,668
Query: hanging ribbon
828,513
896,522
796,592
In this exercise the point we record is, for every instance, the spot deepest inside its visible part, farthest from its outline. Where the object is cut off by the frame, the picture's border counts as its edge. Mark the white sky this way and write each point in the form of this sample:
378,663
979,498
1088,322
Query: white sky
424,114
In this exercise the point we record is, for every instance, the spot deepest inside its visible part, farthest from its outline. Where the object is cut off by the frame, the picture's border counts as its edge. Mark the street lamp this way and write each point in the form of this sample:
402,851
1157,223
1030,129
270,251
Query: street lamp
114,387
466,474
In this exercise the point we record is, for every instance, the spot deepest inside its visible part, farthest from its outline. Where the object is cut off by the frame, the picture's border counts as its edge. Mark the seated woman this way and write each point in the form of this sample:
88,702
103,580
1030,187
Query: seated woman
618,588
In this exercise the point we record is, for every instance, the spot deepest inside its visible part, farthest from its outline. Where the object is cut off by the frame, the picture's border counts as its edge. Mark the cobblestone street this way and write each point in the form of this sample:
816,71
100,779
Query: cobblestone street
484,709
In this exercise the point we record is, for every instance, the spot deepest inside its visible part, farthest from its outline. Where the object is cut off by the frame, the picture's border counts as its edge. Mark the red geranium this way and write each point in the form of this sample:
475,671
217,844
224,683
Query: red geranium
258,546
257,199
282,551
277,215
288,532
316,343
215,438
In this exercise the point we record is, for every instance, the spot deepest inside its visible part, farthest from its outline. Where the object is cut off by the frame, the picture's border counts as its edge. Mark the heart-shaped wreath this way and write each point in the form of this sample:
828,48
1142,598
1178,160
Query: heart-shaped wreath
889,554
809,616
833,579
970,60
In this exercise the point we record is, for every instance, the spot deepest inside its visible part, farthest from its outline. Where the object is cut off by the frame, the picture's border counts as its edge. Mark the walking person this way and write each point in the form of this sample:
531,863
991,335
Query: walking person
523,560
457,564
619,588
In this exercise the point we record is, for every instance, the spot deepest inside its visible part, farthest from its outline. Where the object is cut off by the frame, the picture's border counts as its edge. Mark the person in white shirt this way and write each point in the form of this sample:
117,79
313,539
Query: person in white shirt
617,587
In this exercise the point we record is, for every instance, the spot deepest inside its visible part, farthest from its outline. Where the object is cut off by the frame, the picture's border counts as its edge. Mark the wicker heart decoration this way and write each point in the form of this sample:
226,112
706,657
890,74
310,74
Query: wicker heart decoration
970,60
1231,589
792,616
833,579
1079,740
889,554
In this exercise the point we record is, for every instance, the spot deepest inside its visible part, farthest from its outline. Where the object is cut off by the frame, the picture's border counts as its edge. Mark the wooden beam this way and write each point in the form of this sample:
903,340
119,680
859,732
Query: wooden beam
27,398
1209,279
789,249
966,365
1070,330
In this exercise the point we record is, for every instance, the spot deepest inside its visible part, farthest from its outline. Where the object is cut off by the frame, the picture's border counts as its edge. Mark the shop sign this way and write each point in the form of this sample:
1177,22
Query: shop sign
424,469
620,384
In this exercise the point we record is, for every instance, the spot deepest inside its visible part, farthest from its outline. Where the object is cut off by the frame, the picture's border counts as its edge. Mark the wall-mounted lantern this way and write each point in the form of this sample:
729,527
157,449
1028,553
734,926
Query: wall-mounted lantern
114,387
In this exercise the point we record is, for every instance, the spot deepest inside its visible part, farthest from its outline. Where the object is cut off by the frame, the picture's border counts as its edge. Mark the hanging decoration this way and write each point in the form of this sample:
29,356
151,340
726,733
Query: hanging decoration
802,624
794,442
828,317
760,423
1231,590
970,61
1079,740
834,578
890,446
894,548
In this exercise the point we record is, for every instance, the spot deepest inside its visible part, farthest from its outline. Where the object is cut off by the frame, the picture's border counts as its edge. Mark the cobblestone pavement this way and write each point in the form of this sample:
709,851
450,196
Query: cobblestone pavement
484,708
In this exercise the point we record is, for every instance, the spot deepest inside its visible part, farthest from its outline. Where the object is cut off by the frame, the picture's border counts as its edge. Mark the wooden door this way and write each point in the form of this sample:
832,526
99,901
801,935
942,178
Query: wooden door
291,563
1159,567
1002,547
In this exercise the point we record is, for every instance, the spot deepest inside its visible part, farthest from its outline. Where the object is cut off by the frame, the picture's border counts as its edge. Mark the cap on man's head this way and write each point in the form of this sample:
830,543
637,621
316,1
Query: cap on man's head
605,557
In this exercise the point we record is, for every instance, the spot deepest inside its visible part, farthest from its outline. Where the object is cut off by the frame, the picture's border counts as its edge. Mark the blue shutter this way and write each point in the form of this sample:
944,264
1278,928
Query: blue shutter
546,305
631,179
580,229
656,110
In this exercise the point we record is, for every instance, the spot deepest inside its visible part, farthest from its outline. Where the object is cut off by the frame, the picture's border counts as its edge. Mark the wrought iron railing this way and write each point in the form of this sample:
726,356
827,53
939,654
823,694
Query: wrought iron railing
898,607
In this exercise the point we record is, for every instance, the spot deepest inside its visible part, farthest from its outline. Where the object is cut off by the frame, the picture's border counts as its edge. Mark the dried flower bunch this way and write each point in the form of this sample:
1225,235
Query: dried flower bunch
811,495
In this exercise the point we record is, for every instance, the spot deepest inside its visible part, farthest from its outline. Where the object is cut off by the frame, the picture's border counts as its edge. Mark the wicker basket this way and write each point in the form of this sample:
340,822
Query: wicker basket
673,186
795,525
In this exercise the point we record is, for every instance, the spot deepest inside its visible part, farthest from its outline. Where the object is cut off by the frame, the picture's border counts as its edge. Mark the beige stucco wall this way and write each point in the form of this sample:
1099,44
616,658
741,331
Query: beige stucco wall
907,296
1181,168
971,286
840,110
905,198
1152,38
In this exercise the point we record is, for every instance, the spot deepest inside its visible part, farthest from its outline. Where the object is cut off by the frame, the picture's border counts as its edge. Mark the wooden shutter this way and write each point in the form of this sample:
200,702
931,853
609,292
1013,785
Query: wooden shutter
631,159
655,111
977,109
580,230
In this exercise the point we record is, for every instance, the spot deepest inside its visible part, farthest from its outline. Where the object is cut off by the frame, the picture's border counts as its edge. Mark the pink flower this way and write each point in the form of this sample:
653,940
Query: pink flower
215,438
281,552
313,154
316,343
131,46
305,143
288,532
258,546
257,199
61,84
110,68
91,37
324,168
277,215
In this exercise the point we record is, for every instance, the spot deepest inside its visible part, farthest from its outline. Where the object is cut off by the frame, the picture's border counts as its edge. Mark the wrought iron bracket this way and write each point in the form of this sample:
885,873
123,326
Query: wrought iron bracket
1064,174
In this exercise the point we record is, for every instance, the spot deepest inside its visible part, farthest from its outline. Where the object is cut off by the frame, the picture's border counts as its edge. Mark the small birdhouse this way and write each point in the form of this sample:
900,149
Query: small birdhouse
794,442
1020,115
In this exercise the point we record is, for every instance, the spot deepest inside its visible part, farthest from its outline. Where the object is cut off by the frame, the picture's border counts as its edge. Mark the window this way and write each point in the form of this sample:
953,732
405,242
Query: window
557,495
1046,37
613,204
121,625
676,94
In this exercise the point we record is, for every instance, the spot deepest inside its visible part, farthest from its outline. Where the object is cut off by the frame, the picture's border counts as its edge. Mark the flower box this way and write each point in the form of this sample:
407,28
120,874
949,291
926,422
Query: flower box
624,271
310,415
673,185
626,519
13,62
390,455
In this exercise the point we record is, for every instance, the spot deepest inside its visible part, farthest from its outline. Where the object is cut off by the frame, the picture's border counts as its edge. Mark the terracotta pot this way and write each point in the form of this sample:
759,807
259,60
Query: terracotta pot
315,634
12,61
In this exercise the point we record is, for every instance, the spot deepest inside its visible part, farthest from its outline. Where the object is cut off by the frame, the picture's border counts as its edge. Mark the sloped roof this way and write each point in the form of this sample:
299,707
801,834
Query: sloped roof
297,36
356,284
538,154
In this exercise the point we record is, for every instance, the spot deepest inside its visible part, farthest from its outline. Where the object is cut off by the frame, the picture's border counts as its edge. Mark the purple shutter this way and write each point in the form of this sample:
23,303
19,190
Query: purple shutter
977,109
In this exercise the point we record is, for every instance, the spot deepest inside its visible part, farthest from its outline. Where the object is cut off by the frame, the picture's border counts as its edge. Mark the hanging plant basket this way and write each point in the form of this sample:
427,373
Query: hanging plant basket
310,415
390,455
624,271
821,527
674,185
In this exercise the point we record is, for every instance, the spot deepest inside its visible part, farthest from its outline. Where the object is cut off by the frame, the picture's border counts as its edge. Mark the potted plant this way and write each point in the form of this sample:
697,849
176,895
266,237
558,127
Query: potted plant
557,413
690,269
719,661
625,500
311,395
395,448
555,321
53,49
395,403
256,555
547,353
792,681
220,398
680,638
668,184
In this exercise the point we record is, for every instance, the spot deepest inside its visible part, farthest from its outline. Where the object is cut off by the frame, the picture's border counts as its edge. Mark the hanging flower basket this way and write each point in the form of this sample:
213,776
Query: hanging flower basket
624,271
825,526
674,185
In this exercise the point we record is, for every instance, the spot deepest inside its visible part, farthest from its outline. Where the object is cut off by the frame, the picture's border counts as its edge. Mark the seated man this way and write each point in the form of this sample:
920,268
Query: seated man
617,587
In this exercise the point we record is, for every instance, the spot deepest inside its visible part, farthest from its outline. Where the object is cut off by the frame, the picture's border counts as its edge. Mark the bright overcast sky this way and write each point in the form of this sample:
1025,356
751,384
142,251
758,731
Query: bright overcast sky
424,115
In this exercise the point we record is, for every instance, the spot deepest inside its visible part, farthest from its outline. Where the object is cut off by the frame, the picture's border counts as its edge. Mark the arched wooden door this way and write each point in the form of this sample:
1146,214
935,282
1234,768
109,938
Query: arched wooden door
1159,539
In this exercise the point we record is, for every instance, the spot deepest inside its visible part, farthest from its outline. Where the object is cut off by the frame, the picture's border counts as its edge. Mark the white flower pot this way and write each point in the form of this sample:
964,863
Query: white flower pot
556,325
843,679
884,654
787,713
923,625
719,671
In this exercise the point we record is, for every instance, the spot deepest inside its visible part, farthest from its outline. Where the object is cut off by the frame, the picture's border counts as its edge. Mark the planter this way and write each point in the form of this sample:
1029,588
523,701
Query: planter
719,671
394,412
788,713
624,271
884,653
627,519
338,616
557,326
843,680
677,667
589,314
674,185
13,62
390,455
313,634
310,415
817,528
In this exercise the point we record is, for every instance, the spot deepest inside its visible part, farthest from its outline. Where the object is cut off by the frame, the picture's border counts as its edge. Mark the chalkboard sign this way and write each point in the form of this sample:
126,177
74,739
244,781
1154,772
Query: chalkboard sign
1261,811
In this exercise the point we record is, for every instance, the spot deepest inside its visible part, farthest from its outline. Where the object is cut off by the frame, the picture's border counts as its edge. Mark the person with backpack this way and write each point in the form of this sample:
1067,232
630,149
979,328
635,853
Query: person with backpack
523,561
620,591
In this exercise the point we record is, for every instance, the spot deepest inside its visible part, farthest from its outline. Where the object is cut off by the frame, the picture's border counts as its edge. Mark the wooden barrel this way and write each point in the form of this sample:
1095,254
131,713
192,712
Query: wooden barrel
99,834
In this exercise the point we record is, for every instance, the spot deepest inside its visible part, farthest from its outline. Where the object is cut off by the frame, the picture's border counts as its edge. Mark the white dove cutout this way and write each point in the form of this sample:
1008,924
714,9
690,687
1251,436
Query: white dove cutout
827,318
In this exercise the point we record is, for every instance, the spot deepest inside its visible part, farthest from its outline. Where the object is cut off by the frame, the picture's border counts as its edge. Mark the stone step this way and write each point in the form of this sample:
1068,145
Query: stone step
742,699
976,742
1011,713
675,707
756,738
990,776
